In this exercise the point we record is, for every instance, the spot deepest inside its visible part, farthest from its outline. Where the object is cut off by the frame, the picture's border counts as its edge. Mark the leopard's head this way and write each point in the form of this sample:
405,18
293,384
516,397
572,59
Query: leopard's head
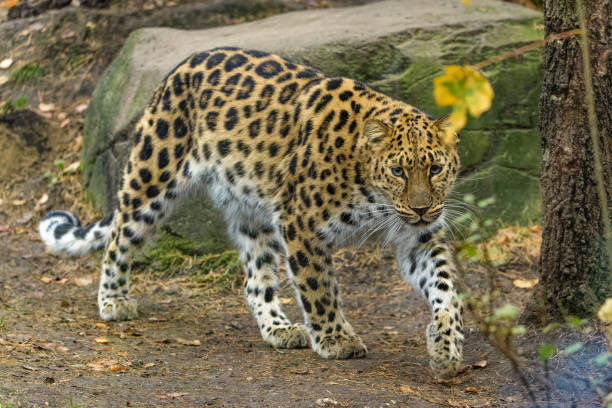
414,163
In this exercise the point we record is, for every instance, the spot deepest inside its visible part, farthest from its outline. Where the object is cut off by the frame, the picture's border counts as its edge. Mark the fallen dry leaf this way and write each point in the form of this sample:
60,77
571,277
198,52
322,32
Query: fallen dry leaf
30,368
480,364
41,201
25,218
3,80
117,367
471,389
188,342
61,281
405,389
18,203
102,364
171,395
78,143
148,365
101,325
525,283
46,279
84,280
46,107
64,123
6,63
73,167
536,229
101,340
81,108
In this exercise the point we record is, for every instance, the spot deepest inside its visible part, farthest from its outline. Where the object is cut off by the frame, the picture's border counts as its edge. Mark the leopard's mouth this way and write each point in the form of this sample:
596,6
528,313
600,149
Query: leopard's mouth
418,220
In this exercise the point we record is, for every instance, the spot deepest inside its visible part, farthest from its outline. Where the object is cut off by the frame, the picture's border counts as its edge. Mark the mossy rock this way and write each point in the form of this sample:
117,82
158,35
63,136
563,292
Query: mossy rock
396,46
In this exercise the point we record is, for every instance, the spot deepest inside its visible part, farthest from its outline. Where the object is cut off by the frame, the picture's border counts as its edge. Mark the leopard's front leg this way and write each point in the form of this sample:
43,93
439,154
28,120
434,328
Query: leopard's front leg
311,271
427,265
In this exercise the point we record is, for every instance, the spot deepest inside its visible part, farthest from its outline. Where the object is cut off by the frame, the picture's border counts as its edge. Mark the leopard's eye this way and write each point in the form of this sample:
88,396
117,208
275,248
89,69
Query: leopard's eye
435,169
397,171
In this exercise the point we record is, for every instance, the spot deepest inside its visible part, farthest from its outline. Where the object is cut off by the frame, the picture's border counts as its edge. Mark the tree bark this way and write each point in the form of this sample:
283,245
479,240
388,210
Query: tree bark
575,275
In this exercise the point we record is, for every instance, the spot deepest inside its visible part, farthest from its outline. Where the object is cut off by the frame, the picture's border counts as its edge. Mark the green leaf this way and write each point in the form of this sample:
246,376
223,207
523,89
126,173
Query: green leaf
7,106
474,238
517,330
602,359
21,102
576,322
465,217
573,348
469,198
488,223
486,202
545,351
60,165
470,250
507,311
498,262
463,295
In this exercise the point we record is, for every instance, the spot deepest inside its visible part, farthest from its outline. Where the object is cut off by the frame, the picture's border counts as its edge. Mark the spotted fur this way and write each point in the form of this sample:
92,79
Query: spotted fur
301,164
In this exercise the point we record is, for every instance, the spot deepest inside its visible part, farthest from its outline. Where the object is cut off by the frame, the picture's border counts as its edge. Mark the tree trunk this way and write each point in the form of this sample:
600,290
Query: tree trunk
573,262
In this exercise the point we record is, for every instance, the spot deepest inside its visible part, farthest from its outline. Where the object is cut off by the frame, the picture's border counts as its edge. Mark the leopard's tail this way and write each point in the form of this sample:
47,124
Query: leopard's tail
61,231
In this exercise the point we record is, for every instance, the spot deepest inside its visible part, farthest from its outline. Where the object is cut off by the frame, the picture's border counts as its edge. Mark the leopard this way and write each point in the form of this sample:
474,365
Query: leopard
301,164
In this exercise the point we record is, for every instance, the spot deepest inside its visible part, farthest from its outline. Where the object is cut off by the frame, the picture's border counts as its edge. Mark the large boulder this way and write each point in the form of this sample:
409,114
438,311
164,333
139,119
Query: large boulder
398,46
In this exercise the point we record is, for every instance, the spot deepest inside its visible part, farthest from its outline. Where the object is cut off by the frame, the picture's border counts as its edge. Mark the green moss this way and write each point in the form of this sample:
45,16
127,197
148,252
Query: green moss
366,62
249,9
505,185
167,251
101,123
222,269
26,72
519,149
170,254
473,146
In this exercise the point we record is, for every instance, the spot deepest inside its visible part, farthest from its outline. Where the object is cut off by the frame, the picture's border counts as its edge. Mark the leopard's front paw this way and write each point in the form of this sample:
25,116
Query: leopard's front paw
340,346
118,308
289,337
444,346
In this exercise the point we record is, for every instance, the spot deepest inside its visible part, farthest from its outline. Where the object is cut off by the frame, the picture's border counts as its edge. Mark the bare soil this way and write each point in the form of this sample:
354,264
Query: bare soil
195,343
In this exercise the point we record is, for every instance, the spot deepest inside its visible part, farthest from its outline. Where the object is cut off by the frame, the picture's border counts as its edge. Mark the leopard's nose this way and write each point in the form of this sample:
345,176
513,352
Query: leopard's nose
420,210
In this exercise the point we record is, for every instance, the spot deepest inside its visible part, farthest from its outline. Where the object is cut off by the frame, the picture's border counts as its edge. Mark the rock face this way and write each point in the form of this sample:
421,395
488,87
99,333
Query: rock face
398,46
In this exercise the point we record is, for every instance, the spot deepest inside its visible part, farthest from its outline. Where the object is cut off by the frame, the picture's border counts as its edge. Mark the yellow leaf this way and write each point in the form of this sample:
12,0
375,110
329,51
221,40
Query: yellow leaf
525,283
101,325
117,367
188,342
9,3
605,312
458,118
445,86
101,340
479,92
466,90
466,2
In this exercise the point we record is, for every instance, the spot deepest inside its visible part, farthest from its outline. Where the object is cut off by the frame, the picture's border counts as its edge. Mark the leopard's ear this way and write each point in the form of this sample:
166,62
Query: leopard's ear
445,131
377,133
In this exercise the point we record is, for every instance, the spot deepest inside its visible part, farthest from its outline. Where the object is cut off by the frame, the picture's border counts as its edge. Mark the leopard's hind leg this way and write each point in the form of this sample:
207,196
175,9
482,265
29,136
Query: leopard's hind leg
156,175
261,250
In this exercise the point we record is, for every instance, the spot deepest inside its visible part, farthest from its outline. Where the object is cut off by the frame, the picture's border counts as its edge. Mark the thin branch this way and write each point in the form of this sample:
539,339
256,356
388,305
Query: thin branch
590,99
525,48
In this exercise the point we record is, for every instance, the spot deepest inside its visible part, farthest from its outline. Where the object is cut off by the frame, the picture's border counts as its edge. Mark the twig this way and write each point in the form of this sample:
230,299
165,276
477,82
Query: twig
525,48
590,99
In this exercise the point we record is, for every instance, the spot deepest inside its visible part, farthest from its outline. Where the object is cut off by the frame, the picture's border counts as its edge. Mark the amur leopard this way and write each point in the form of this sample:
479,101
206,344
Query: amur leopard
301,164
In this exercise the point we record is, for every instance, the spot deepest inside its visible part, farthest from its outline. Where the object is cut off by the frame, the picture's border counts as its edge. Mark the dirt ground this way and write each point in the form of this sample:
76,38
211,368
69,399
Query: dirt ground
195,343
